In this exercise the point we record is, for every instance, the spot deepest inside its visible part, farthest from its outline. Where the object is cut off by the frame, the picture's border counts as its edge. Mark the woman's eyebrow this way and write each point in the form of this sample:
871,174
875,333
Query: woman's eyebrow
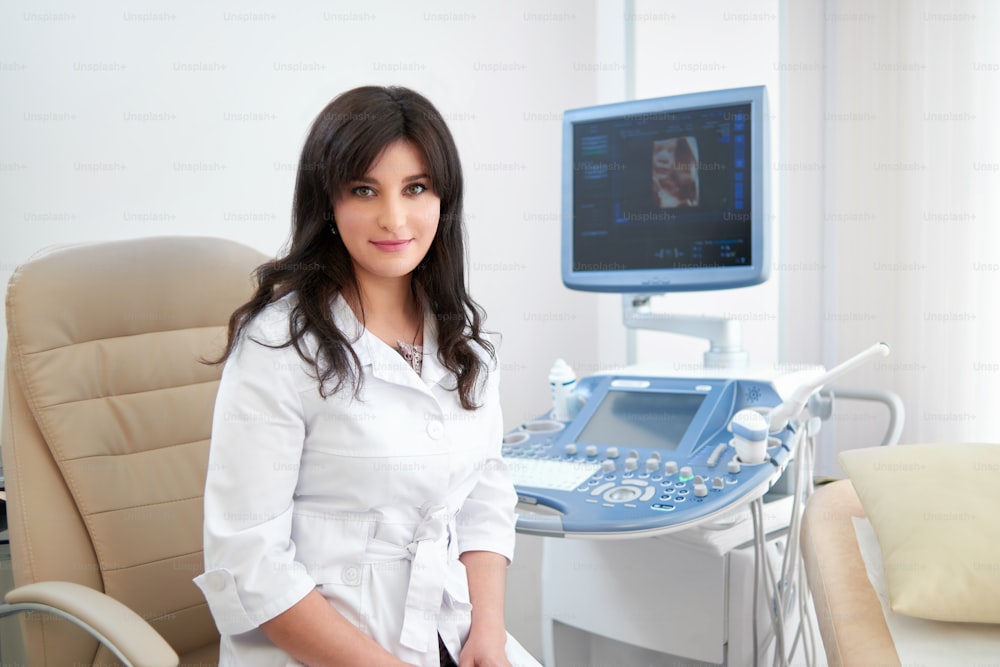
368,180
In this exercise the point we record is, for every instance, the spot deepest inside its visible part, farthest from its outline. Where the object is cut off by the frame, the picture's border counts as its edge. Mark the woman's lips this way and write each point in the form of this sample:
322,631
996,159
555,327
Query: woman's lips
391,246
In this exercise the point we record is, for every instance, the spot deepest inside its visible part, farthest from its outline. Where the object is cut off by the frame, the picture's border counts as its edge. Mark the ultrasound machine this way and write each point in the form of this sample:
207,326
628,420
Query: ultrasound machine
679,487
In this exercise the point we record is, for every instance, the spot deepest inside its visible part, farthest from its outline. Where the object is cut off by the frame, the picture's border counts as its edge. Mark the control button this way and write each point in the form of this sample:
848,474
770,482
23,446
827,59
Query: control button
682,492
648,493
622,494
571,449
698,479
687,473
662,507
670,467
733,466
718,483
700,489
680,499
631,464
636,482
598,490
719,450
655,455
435,430
633,454
612,452
591,450
608,466
652,464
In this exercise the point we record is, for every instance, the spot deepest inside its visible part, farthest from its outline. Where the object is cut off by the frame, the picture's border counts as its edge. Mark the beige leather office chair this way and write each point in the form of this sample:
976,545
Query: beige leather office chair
106,419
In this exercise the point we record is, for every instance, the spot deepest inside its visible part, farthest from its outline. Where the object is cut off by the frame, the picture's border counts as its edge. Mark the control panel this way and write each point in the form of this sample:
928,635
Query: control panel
643,456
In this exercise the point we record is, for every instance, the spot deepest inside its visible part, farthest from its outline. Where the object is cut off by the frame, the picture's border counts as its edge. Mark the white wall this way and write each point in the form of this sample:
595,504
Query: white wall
691,47
187,118
893,105
121,120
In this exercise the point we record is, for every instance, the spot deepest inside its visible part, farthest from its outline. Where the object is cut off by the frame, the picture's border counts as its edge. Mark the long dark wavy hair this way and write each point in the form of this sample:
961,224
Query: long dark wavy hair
342,145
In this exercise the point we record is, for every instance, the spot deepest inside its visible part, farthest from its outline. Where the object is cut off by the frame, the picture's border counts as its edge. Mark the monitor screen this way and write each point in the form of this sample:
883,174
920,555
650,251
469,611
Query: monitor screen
667,194
641,419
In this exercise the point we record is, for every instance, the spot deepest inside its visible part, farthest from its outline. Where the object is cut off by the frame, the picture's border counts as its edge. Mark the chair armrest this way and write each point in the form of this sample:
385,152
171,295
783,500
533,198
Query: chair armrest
125,633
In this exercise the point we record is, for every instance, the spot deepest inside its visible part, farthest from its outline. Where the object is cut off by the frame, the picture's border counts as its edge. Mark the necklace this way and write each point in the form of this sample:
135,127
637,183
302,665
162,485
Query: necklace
411,352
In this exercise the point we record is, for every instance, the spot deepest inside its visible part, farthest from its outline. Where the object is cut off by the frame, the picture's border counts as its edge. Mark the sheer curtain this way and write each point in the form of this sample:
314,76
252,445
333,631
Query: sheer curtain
900,216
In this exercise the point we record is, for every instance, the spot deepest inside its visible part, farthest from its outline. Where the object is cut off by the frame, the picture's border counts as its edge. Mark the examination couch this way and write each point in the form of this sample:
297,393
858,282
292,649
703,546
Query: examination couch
903,558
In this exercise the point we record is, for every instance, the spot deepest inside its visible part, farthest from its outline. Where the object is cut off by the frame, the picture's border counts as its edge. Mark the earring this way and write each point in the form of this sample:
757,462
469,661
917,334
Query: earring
333,229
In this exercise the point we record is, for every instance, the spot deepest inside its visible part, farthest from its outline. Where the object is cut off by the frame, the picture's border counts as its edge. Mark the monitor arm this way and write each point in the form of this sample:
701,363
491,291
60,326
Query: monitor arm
724,335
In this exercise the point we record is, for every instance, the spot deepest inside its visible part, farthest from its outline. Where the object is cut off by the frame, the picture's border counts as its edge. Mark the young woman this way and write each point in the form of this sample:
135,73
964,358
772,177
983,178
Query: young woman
357,511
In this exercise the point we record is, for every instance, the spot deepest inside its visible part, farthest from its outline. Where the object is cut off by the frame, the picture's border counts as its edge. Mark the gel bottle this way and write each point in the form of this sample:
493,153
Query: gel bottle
562,381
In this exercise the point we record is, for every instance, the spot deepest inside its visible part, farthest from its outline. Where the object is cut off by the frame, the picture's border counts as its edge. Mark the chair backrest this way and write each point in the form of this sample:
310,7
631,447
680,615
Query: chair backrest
106,421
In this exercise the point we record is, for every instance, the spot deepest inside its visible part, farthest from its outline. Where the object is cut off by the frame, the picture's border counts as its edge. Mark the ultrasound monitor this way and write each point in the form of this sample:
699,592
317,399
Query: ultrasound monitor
667,194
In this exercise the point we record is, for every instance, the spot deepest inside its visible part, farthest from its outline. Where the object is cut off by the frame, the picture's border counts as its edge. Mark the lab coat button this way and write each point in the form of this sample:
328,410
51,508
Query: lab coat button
351,575
216,581
435,430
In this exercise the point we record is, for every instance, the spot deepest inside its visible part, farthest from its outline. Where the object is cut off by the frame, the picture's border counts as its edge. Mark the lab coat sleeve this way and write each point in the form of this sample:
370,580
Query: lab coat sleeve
258,430
486,519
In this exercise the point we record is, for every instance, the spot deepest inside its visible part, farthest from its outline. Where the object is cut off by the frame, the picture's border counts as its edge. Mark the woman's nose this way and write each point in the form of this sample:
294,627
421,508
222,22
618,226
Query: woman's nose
393,214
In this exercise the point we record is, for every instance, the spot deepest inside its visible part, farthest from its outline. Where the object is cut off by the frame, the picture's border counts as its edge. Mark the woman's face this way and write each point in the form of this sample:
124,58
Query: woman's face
388,218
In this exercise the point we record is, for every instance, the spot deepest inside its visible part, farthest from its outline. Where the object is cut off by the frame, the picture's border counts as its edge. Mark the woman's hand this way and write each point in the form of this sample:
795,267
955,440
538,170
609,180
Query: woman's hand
483,650
486,645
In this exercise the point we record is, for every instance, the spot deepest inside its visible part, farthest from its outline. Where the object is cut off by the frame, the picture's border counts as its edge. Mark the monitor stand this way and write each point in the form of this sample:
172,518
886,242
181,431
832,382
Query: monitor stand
724,335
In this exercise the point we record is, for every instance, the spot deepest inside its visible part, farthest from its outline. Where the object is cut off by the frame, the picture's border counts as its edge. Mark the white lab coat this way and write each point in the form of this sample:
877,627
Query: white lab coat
368,500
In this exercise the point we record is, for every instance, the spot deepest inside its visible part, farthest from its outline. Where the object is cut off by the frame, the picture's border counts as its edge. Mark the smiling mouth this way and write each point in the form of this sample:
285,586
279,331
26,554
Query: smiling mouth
391,246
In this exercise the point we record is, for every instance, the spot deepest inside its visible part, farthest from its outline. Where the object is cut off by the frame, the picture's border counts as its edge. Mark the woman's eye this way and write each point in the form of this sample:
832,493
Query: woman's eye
363,191
415,188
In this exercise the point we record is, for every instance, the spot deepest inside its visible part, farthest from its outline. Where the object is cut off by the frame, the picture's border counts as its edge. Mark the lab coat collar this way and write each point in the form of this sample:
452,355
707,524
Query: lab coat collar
385,362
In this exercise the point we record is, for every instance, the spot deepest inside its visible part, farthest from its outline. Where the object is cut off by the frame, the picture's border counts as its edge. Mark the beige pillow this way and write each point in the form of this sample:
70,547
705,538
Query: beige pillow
936,511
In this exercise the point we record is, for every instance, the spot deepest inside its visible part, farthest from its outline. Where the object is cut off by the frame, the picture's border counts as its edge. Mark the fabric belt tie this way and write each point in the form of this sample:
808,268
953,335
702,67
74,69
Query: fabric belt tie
429,554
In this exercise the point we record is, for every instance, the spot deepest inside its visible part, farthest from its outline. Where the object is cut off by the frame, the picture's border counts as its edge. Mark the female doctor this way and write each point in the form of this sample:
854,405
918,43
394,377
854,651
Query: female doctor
357,510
